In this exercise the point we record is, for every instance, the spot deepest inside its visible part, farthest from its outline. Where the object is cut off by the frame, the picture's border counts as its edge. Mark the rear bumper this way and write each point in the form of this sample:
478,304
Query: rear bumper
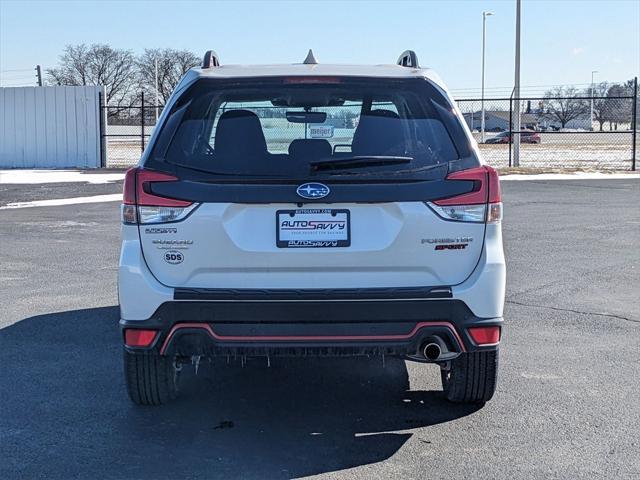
292,321
309,327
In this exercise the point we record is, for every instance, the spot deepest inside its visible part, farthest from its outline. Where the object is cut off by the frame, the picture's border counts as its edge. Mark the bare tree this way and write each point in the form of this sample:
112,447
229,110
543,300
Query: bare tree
619,110
629,87
97,64
172,65
563,104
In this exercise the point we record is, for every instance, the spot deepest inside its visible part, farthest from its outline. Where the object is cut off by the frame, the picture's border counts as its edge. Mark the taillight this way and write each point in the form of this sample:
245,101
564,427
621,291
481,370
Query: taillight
139,205
129,213
482,204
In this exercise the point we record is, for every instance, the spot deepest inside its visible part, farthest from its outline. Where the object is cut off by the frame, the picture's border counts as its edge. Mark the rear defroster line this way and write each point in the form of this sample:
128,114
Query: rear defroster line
308,338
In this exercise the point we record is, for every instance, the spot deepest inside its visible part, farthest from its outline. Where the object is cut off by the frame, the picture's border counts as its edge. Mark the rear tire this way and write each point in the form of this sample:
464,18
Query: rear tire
151,378
472,377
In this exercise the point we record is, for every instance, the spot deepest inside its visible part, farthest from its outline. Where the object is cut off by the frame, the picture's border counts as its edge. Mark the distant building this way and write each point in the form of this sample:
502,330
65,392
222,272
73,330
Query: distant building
582,122
498,121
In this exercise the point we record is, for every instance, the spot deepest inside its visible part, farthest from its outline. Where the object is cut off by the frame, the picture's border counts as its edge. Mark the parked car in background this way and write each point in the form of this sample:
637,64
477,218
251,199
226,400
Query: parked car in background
528,136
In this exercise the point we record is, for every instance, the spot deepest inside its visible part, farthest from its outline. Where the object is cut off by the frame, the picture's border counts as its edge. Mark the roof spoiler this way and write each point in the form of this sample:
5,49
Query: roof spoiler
210,59
408,58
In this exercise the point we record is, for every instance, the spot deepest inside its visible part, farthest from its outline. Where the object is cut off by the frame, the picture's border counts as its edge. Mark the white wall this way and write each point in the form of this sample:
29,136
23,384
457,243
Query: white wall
49,127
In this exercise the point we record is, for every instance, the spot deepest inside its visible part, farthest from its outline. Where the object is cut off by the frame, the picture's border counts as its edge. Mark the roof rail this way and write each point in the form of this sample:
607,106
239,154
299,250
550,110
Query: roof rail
210,59
408,58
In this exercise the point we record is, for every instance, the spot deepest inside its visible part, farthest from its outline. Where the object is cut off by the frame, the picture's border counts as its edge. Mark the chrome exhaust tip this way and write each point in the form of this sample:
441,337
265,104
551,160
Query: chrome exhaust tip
431,351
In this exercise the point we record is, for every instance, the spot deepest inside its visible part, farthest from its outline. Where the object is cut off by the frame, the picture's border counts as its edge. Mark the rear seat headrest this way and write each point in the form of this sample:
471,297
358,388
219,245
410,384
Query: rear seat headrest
239,133
311,148
379,132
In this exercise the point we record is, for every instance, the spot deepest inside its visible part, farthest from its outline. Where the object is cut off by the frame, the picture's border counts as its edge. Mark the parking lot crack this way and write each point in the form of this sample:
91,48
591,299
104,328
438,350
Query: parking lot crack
571,183
571,310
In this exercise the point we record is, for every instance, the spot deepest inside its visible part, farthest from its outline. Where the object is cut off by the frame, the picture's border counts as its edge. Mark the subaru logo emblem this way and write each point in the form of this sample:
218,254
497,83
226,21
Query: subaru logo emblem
313,190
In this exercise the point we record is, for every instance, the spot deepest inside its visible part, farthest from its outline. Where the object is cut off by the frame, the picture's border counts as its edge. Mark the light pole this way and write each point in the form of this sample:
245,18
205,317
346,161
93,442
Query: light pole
593,72
516,93
484,35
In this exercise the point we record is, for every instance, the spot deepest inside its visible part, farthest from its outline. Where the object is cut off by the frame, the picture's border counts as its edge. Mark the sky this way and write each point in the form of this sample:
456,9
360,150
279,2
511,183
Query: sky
562,41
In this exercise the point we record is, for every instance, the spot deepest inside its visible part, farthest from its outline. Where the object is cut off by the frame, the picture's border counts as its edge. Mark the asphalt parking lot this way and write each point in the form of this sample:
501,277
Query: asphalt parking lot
566,407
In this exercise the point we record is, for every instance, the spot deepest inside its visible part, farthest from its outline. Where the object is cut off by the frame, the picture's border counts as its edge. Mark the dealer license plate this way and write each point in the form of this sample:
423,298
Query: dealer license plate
312,228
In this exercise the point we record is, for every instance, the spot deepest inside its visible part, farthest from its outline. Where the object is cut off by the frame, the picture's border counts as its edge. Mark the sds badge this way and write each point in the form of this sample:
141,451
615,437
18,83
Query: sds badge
173,257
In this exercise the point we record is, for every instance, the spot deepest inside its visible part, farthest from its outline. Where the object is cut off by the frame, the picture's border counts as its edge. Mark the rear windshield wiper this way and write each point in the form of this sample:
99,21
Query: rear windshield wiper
223,174
395,173
358,162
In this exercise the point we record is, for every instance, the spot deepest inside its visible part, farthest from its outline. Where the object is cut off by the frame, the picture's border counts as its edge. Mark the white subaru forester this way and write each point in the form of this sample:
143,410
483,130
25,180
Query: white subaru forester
311,209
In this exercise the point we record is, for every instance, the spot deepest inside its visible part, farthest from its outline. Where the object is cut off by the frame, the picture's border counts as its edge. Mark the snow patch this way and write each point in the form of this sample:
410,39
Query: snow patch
116,197
56,176
571,176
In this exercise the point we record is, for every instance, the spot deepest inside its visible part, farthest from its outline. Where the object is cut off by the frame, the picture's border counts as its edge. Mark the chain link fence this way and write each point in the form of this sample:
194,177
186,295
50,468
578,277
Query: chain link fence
126,132
556,132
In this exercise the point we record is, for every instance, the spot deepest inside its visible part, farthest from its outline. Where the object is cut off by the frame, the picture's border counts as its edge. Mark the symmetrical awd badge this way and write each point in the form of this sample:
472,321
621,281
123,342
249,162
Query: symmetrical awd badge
313,190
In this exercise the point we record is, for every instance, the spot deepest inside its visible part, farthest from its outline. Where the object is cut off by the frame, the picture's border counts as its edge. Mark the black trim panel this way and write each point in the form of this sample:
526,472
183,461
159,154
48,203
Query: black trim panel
356,294
328,312
308,311
312,329
265,192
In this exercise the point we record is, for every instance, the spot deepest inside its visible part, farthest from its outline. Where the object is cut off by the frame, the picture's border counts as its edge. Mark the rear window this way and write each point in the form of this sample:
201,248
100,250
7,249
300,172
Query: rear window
303,127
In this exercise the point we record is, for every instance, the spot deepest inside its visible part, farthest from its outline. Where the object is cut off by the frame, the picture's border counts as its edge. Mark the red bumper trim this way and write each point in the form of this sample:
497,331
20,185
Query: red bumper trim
302,338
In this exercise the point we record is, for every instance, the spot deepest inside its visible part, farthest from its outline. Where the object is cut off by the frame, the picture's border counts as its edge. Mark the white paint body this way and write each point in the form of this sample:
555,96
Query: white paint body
481,281
234,245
